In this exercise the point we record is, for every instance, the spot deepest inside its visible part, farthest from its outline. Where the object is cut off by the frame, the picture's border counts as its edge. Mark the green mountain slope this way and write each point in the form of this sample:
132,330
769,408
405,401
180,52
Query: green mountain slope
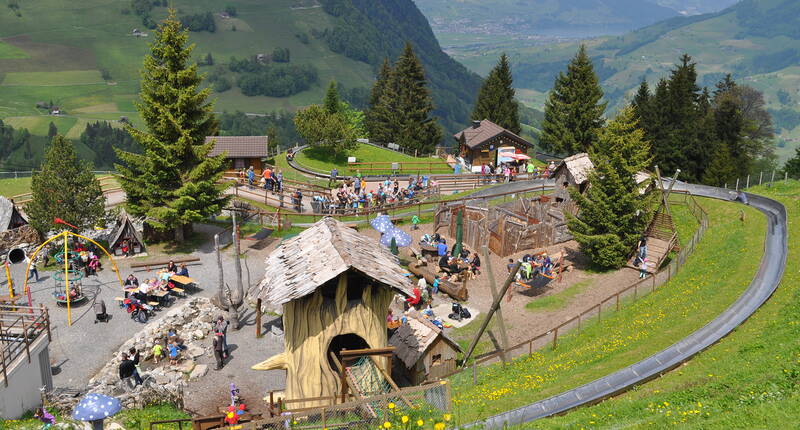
85,57
758,41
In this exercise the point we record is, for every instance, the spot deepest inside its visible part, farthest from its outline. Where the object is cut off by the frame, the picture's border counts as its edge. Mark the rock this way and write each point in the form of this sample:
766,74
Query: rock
186,367
113,426
199,371
196,351
198,334
161,379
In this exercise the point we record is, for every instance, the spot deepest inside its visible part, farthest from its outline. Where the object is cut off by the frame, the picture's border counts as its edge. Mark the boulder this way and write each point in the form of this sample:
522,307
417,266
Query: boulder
186,366
195,351
199,371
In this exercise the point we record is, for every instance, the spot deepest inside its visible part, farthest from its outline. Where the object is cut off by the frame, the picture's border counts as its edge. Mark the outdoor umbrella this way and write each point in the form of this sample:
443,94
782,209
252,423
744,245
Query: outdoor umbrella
95,408
519,156
401,238
382,223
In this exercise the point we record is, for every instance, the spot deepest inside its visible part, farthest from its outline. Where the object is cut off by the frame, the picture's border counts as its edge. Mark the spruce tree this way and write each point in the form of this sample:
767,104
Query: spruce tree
721,170
65,188
496,98
376,116
407,105
173,182
613,213
573,113
331,102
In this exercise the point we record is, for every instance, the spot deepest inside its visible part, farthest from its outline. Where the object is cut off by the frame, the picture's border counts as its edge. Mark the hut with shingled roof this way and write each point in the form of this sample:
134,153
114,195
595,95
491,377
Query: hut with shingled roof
480,143
423,350
335,286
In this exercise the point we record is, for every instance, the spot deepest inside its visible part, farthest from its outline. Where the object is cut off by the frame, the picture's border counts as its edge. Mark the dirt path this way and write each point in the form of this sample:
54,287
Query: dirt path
588,289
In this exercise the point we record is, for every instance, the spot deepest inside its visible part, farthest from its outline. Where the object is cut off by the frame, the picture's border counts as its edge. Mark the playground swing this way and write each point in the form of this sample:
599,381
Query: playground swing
75,287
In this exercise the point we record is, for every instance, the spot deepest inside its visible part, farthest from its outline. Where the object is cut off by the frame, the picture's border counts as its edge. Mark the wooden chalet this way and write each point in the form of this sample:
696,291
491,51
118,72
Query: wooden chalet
335,286
484,140
242,151
424,351
125,238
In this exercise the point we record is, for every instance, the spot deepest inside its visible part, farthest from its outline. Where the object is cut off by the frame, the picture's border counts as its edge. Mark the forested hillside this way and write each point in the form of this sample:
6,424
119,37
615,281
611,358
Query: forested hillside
757,41
83,58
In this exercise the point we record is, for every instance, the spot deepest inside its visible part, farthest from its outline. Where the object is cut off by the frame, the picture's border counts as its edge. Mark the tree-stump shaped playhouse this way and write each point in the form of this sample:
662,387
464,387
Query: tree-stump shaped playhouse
335,286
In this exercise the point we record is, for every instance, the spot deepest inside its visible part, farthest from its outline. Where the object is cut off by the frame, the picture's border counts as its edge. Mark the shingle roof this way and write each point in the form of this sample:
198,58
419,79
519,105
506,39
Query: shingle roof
487,130
412,339
298,266
578,165
240,146
8,212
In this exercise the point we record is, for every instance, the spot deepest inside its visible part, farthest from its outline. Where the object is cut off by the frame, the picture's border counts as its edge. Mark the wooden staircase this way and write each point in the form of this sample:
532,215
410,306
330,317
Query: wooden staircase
661,238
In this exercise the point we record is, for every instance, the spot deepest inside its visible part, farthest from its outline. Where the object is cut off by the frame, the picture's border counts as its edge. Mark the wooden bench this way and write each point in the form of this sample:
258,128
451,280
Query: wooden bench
159,263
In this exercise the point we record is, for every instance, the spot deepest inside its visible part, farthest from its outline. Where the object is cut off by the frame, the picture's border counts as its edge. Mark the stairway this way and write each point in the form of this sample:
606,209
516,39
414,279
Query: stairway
661,238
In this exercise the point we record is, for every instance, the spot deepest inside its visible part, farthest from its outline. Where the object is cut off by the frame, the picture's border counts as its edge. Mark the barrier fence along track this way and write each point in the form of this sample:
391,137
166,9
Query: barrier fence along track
22,199
550,337
762,286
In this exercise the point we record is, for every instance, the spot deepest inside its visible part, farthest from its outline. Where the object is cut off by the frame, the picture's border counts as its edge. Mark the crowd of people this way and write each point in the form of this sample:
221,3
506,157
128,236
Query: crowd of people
139,294
449,263
507,171
270,180
532,266
352,196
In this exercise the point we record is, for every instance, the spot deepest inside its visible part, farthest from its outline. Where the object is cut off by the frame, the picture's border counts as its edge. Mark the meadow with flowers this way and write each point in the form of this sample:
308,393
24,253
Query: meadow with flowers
714,276
750,379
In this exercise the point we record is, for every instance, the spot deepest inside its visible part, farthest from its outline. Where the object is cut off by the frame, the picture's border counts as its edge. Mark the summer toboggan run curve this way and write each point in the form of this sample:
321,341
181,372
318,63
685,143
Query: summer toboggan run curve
762,286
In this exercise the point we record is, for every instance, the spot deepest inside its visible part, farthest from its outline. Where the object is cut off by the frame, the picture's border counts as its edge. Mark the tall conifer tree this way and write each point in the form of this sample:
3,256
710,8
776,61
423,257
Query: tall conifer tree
331,102
377,116
613,213
496,98
573,113
173,182
65,188
409,102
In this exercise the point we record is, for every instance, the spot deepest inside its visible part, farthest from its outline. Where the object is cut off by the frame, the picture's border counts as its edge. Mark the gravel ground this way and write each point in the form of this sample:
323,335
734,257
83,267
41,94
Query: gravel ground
79,351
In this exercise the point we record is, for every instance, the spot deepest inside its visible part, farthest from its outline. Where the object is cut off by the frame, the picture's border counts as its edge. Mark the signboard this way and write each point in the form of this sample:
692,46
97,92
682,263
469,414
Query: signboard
395,166
504,153
351,159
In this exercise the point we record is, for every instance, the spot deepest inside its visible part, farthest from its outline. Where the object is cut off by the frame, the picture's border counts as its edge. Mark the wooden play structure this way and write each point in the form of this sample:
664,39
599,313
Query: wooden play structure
125,238
524,223
335,286
425,353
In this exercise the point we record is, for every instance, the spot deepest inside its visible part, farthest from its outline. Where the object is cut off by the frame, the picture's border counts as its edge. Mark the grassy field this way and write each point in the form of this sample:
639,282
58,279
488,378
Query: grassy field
691,299
131,419
747,380
320,160
12,187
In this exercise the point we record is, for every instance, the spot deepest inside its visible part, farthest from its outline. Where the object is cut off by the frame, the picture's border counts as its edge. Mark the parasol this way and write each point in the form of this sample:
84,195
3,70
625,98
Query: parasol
401,238
382,223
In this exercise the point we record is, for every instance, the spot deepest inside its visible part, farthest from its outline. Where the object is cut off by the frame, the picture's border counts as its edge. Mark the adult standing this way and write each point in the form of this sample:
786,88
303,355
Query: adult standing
251,177
334,175
278,181
221,326
218,350
127,369
33,272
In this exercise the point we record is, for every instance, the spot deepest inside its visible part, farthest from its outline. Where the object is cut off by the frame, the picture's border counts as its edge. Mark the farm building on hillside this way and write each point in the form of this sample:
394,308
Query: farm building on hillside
243,151
335,286
485,142
425,352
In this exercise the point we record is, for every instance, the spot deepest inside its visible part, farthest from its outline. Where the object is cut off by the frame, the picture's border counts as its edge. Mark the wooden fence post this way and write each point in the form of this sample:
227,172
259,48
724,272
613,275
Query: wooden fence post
474,374
555,338
617,301
258,317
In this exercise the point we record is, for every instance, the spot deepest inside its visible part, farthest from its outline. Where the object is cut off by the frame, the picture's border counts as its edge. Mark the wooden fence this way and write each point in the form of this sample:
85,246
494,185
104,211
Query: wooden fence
649,284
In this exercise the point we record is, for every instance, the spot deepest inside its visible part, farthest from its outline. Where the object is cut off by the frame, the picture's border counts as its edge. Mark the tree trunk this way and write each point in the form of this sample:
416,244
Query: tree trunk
237,295
233,310
221,298
179,234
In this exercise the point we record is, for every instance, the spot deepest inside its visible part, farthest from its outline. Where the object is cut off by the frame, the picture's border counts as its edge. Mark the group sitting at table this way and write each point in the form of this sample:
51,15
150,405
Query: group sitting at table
532,266
157,287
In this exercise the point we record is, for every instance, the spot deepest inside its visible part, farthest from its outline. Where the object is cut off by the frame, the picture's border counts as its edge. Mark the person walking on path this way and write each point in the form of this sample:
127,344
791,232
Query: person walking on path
218,350
32,272
643,269
221,326
251,177
334,175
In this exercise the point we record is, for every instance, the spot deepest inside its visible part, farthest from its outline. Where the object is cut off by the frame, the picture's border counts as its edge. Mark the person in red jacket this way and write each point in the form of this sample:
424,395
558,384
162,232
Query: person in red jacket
414,301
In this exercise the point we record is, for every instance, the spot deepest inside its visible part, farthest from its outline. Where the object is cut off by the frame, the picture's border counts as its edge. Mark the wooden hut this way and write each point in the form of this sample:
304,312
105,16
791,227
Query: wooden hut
572,172
424,351
10,217
125,238
242,151
480,143
335,286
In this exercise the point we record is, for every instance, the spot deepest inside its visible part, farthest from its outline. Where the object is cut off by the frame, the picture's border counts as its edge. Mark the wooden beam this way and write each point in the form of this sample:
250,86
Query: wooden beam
366,352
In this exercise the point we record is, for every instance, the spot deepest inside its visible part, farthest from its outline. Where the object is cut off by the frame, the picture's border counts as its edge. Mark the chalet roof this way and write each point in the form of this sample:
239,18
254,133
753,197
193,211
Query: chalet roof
578,165
412,339
239,146
300,265
480,133
124,228
8,212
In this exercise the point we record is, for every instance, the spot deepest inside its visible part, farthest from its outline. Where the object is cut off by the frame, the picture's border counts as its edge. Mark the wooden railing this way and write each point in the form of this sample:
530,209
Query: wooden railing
550,336
20,326
402,167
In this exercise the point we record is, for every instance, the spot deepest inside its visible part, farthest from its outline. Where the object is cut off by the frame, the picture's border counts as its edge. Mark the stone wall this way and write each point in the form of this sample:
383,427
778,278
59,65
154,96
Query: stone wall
163,383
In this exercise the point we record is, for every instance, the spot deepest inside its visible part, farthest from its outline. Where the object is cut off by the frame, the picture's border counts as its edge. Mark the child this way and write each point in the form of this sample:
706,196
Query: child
435,284
45,417
173,353
158,352
643,269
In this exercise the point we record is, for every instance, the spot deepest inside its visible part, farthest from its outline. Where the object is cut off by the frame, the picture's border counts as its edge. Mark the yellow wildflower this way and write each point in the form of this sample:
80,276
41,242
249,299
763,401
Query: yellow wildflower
447,417
387,425
404,419
420,423
438,426
391,406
